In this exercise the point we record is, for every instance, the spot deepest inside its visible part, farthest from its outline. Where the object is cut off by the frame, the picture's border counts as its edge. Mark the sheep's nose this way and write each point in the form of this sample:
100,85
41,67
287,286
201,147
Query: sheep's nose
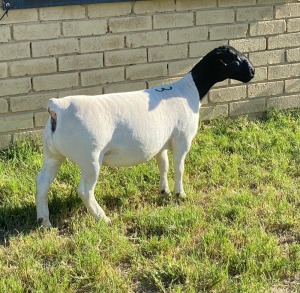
252,70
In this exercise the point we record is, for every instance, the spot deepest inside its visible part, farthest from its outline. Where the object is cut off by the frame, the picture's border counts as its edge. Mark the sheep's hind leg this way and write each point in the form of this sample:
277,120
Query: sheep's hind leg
163,165
43,181
179,153
86,189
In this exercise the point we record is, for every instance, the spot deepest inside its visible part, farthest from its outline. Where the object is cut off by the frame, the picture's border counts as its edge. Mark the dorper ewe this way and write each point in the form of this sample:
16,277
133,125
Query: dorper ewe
126,129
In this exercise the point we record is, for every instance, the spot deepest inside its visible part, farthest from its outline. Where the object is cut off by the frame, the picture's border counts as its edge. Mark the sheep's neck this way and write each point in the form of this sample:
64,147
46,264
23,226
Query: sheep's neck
204,77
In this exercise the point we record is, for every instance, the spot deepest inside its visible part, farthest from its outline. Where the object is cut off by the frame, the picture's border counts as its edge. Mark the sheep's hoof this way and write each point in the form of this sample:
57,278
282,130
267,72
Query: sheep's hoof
181,195
165,193
164,198
44,223
107,220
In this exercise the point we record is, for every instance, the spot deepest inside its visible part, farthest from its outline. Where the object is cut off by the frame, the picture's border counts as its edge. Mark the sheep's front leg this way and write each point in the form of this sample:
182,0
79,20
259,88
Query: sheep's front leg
163,165
179,152
86,189
43,181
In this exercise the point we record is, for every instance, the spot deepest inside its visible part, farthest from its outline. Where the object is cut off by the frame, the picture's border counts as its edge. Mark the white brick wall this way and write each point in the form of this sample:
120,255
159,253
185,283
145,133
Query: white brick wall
113,47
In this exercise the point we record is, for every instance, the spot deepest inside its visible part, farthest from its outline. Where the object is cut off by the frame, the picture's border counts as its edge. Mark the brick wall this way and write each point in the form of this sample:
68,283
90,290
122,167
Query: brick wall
103,48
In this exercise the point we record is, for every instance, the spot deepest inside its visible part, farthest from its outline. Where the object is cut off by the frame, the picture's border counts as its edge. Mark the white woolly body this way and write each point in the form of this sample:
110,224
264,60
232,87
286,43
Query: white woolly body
122,129
125,128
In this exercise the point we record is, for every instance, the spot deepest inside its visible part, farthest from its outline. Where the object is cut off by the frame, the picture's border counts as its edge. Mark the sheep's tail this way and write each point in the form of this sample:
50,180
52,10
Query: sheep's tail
53,108
53,119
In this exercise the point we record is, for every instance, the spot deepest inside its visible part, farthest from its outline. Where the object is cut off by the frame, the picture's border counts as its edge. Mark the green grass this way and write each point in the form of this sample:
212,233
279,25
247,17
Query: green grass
238,230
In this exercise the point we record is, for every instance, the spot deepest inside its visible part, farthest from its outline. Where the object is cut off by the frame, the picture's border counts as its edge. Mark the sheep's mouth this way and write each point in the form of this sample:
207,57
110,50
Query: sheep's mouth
247,78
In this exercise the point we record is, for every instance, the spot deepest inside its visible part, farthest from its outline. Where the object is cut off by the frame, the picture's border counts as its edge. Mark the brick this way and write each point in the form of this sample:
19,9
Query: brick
173,20
230,31
293,25
287,10
21,15
147,39
200,49
82,61
230,3
293,55
227,94
267,27
182,67
54,47
36,31
125,57
261,74
265,89
168,52
29,103
62,12
284,71
249,44
16,122
15,86
254,13
153,6
292,85
41,118
3,106
14,51
5,35
215,16
32,66
187,35
247,107
130,24
224,84
272,1
145,71
108,9
99,44
96,77
283,102
191,4
125,87
284,40
3,70
267,57
212,112
35,135
94,90
55,81
5,141
84,28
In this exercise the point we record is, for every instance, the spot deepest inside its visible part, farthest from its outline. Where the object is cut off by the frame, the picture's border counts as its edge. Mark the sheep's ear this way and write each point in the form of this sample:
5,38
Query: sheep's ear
227,58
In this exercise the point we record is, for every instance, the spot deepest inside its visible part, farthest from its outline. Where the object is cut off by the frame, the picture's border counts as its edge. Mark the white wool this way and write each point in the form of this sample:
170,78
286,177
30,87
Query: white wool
121,129
127,129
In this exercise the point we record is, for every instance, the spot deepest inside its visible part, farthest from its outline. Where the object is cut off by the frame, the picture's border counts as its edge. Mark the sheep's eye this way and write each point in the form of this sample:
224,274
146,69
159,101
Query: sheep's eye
227,58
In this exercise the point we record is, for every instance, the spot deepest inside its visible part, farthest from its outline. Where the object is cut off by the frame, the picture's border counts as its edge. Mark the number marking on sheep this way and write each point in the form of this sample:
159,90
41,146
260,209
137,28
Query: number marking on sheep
164,89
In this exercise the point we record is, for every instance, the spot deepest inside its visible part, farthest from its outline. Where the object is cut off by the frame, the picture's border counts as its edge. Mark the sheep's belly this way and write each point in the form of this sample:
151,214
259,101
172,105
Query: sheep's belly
125,157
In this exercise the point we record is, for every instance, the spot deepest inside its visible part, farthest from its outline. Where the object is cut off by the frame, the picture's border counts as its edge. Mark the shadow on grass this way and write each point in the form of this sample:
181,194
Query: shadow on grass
21,220
15,221
117,203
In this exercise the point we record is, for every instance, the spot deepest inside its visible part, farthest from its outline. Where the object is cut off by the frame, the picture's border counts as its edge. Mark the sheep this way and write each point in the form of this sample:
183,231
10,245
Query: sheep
126,129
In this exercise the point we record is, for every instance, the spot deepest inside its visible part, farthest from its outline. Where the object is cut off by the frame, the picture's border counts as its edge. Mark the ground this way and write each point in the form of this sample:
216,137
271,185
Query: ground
238,230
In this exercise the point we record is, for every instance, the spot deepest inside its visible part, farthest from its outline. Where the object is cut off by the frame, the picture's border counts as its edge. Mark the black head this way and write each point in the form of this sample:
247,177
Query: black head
230,63
219,64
